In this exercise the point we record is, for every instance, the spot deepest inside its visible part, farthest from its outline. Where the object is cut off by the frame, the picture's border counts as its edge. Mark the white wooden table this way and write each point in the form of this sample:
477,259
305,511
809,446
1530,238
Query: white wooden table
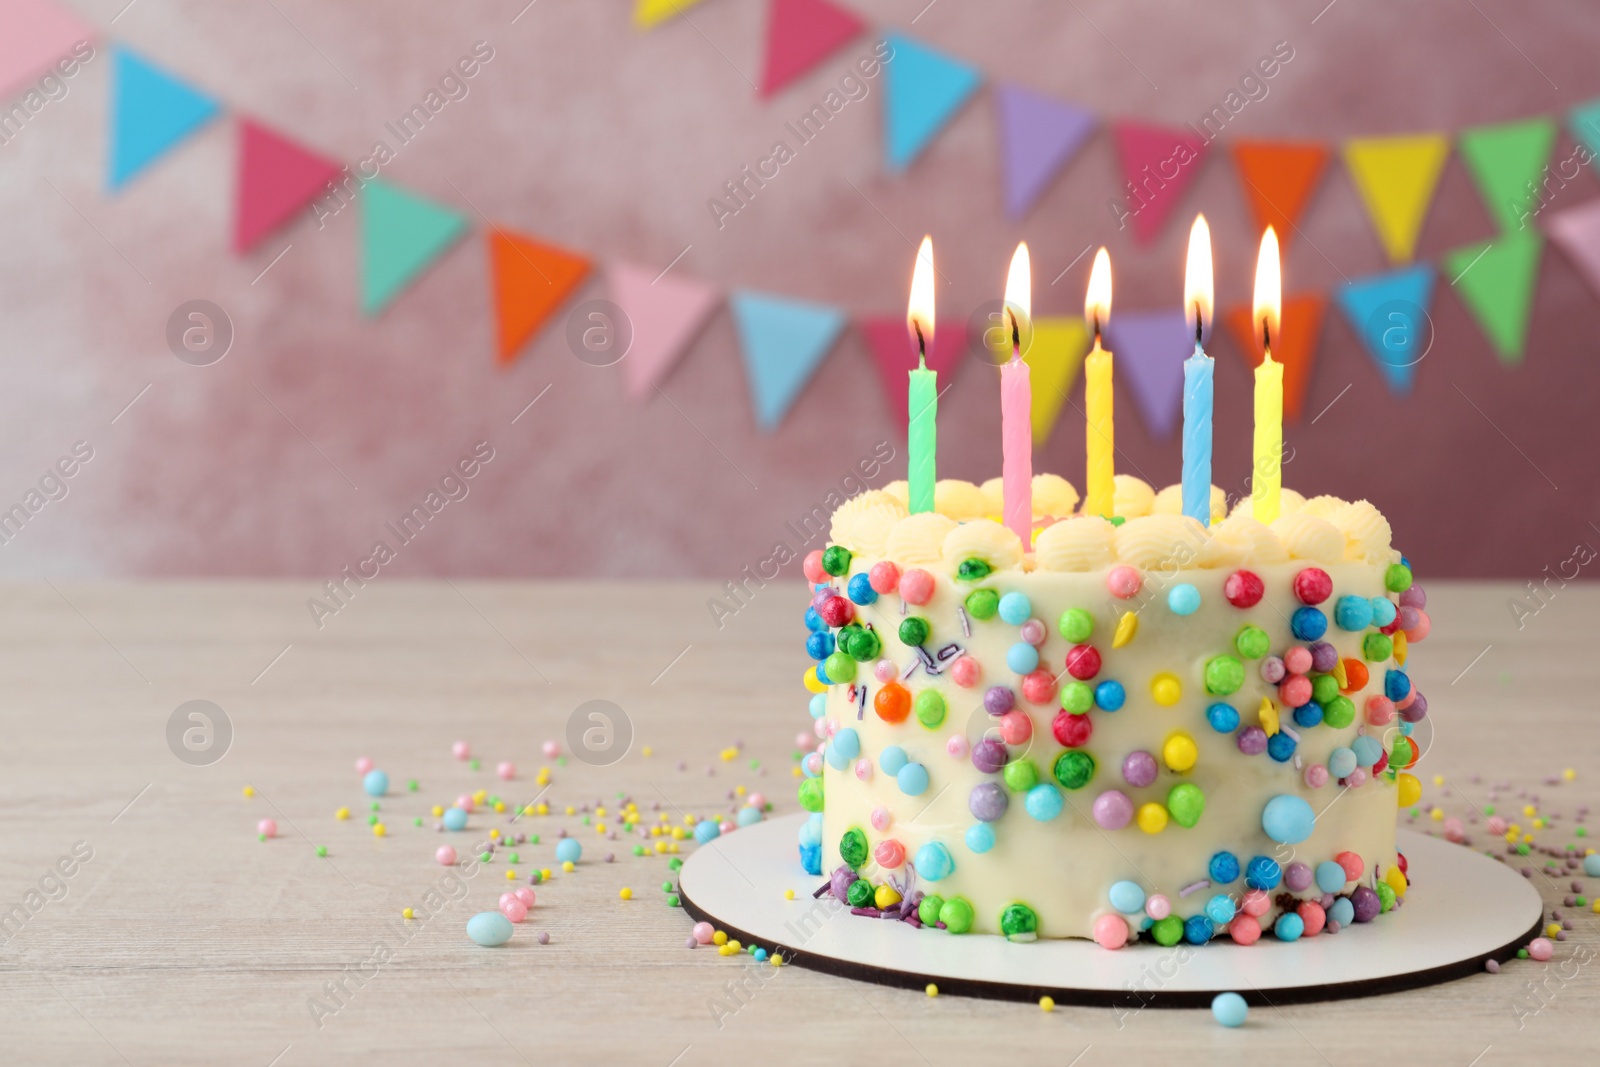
185,940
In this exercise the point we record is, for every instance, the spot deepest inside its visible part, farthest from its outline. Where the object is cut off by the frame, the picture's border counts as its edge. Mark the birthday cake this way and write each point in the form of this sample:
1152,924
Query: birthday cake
1140,727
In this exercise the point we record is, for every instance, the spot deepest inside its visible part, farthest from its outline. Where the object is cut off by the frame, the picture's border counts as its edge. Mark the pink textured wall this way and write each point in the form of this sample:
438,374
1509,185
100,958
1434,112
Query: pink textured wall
287,457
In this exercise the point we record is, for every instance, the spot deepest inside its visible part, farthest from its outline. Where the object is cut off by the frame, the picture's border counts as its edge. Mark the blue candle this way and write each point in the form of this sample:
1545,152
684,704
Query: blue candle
1197,378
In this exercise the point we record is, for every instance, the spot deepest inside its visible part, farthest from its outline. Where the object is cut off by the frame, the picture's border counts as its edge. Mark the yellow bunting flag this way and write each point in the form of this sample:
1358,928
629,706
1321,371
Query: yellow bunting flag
1053,361
1396,177
648,13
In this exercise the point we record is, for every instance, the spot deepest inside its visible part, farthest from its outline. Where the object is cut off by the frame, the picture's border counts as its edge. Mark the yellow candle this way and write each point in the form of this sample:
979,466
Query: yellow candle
1266,480
1100,488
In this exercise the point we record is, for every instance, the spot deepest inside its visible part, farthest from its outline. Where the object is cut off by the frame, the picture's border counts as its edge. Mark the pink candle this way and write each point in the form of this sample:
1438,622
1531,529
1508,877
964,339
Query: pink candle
1016,406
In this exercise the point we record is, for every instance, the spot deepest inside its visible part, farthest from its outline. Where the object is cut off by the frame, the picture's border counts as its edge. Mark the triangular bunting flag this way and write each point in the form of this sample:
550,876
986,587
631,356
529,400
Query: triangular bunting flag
648,13
783,342
801,34
1396,177
276,178
1295,348
1584,122
1053,361
1495,281
37,34
530,281
151,111
1279,178
1038,137
896,357
1577,232
401,235
1158,163
1507,161
1389,312
664,314
923,89
1150,347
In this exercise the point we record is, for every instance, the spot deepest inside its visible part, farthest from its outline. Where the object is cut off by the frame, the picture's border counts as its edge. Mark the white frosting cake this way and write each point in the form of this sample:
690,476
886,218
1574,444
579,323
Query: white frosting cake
1131,726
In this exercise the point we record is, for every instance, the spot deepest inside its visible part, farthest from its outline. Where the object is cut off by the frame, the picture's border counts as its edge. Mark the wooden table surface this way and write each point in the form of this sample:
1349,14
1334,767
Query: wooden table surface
182,939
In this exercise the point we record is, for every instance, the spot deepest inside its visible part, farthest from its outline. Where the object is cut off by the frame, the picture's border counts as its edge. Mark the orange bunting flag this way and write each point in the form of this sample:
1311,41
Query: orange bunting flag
1279,178
531,280
1296,349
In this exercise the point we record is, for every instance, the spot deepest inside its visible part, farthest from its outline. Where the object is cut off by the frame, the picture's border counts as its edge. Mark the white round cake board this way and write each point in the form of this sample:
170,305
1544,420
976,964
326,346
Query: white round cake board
1462,909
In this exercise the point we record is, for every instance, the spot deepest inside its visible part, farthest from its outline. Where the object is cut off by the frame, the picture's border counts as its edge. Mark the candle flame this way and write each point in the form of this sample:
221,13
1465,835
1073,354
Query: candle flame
1269,291
1019,295
919,310
1197,294
1097,304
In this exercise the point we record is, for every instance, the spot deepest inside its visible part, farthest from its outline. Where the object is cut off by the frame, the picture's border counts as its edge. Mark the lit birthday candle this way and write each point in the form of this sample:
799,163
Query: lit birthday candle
1016,405
1197,378
1100,488
1267,479
922,402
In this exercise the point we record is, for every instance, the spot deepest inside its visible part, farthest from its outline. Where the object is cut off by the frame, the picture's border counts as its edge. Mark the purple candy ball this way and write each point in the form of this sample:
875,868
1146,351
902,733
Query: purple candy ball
1366,903
1252,740
989,755
1112,810
987,801
1273,670
1417,710
1408,618
1297,876
1414,597
1139,769
1323,656
843,878
821,596
998,700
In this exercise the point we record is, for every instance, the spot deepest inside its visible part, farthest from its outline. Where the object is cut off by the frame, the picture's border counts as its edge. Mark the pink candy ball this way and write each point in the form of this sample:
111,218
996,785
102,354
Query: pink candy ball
864,770
819,727
1316,776
525,894
268,827
965,672
461,750
1297,660
1112,810
465,802
1540,948
1256,903
890,854
1406,701
1111,931
507,770
816,574
1244,930
1423,627
832,726
446,856
1033,632
916,586
884,670
1157,907
513,909
881,819
1380,710
884,577
1497,825
1454,831
802,739
813,762
703,932
1294,690
1356,778
1313,915
552,749
1123,582
957,747
363,765
1015,727
757,800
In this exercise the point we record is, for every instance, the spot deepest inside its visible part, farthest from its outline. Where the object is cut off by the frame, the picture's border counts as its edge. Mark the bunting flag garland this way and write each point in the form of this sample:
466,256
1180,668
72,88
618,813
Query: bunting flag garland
1059,345
276,179
1150,348
665,313
1038,137
1279,178
649,13
1396,177
783,342
1158,164
531,279
801,34
923,90
401,235
895,357
151,112
37,34
1389,313
1295,347
1495,281
1576,232
1507,161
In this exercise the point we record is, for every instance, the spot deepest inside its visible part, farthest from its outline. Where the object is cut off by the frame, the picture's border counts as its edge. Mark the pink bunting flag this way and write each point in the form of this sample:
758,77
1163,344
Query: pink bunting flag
1158,164
801,34
1577,232
896,357
664,312
276,178
36,34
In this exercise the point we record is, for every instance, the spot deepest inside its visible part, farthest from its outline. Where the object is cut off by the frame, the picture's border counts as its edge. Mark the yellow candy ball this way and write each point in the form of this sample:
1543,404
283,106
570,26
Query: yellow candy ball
1552,930
378,829
1409,790
1180,752
511,876
647,751
494,833
1165,689
342,813
625,893
1152,818
719,937
788,894
1396,880
249,790
568,867
885,896
438,810
407,914
1047,1004
1569,774
811,683
932,990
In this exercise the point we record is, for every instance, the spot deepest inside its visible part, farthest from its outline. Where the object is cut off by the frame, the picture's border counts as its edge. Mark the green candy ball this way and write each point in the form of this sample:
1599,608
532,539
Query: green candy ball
928,910
1397,579
1375,648
983,603
1074,769
956,914
1168,931
1339,712
860,893
836,560
1252,642
1077,697
864,645
840,667
1224,675
1324,687
972,570
1385,891
811,794
914,631
1076,625
1019,923
1021,775
853,848
1186,803
930,707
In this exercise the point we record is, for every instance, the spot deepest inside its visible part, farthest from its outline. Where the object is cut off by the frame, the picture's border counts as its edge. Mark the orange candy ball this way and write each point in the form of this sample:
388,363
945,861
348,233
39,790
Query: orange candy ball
1355,674
893,703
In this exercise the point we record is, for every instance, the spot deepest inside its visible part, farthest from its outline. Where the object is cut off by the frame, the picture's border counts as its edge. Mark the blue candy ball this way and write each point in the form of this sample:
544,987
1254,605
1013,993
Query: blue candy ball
1308,623
1591,865
1383,611
1224,867
891,759
814,622
1263,872
1229,1009
811,830
1022,658
819,647
818,706
1280,746
822,675
1288,819
1342,912
1015,608
860,590
1183,599
490,928
1220,909
811,859
568,850
1396,686
1109,695
846,742
376,783
913,779
455,819
1330,876
1043,802
1308,714
1197,929
1289,927
1127,897
933,862
1224,718
748,815
1353,613
1341,761
1367,750
835,756
980,838
705,830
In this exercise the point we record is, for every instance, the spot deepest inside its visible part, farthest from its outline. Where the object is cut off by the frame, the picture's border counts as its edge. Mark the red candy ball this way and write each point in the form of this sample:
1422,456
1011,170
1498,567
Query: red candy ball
1073,731
813,568
1083,662
836,611
1404,867
1313,586
884,577
916,586
1243,589
1016,728
1039,688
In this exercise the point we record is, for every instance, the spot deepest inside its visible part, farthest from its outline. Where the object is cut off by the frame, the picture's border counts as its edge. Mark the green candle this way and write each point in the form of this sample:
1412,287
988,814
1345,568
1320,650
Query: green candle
922,401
